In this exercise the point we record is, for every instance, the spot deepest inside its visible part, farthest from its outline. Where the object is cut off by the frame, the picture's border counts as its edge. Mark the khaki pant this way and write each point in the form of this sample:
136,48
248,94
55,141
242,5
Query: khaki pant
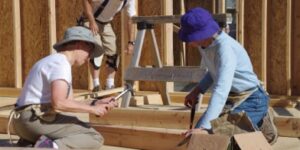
106,38
68,132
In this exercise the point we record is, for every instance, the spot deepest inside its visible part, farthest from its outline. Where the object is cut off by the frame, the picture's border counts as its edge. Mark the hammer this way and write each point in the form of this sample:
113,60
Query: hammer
128,88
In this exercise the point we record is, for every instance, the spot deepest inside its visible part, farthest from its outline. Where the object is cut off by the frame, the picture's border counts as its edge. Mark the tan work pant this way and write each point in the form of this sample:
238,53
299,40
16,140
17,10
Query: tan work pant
106,38
68,132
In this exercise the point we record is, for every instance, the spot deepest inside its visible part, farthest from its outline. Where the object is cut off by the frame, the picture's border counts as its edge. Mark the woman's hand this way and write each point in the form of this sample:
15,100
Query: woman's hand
193,131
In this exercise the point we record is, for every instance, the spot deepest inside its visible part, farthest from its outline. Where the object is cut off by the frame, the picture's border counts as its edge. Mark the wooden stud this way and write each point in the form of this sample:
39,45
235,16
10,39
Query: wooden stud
240,21
288,46
52,25
221,6
17,43
264,43
295,78
167,43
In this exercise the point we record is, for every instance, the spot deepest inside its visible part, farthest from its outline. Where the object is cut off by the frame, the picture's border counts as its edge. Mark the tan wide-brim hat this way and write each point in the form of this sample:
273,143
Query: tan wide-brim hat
79,33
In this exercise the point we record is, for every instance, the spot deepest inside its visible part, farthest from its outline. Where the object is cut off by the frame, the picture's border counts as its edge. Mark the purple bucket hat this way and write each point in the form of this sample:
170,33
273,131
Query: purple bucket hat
197,24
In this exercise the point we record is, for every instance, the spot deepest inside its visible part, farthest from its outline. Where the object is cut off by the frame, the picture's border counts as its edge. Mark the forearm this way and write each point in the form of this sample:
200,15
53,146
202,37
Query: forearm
69,105
205,83
130,29
88,10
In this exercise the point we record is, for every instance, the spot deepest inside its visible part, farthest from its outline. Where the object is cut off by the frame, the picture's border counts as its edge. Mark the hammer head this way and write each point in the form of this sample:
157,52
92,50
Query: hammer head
129,88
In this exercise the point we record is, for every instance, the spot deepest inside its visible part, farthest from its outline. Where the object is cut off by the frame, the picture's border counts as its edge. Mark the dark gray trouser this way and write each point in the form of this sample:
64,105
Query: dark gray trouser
67,132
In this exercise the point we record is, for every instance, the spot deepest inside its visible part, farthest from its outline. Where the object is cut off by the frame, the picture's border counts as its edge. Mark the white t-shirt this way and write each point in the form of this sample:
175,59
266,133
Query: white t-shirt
37,87
113,7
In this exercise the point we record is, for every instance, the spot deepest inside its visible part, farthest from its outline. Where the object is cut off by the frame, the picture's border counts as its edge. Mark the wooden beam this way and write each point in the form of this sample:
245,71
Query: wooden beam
10,92
52,25
275,101
264,68
221,6
166,40
181,74
86,95
176,18
17,43
3,125
240,21
172,119
288,126
140,137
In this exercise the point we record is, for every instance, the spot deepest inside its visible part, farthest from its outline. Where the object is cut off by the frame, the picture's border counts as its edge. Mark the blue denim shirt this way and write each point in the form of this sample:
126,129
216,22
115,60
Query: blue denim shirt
229,69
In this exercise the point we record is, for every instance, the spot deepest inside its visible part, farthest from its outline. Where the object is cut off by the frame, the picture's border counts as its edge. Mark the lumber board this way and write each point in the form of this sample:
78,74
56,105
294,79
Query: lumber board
182,74
295,83
275,101
174,119
176,18
86,95
288,126
140,137
9,92
7,40
52,25
277,48
17,43
240,20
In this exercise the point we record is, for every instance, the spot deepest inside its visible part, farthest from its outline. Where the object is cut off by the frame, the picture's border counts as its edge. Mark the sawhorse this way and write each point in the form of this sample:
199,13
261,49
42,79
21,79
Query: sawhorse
142,28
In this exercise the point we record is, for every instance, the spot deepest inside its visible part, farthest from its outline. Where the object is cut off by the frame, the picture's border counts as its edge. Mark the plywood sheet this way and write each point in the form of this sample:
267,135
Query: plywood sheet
277,63
253,16
35,33
6,44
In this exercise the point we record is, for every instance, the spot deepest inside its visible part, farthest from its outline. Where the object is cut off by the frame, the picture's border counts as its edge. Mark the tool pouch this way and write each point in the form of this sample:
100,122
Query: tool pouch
232,123
44,112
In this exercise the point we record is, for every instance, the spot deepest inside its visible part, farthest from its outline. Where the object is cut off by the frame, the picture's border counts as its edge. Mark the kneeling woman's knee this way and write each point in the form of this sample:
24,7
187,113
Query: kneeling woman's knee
97,141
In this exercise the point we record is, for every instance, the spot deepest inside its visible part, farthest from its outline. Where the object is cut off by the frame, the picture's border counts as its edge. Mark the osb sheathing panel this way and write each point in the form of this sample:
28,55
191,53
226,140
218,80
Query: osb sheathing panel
253,33
34,33
67,11
6,44
277,76
148,8
295,48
